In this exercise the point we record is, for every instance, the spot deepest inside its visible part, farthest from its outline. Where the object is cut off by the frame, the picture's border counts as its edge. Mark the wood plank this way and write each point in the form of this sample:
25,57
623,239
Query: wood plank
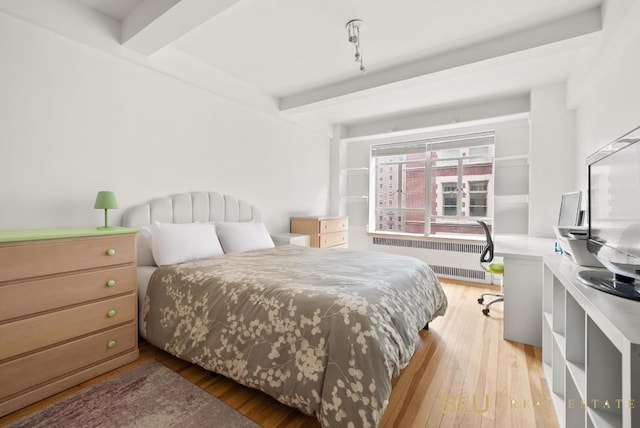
462,355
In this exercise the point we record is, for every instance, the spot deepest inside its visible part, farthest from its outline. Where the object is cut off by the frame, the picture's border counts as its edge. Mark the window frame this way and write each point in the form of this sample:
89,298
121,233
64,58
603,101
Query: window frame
429,147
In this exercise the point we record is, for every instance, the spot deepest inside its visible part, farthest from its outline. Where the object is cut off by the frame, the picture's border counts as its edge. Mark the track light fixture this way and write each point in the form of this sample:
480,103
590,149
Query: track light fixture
353,30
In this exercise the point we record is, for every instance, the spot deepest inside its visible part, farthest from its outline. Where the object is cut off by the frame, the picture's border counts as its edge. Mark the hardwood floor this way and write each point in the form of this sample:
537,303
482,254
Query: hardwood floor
463,374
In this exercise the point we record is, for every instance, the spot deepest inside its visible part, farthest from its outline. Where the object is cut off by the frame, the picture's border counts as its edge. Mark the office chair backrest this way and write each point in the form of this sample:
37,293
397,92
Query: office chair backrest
487,253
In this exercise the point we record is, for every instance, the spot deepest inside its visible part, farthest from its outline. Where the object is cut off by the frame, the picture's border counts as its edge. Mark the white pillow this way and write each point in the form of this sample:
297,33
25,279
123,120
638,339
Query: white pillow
181,242
240,237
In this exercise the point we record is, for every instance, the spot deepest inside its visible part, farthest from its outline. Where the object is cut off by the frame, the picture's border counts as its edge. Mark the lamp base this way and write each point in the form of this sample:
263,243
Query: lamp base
105,227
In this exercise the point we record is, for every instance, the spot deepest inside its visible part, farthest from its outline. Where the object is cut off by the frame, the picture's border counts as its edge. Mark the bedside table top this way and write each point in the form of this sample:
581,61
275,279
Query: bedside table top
318,217
286,235
18,235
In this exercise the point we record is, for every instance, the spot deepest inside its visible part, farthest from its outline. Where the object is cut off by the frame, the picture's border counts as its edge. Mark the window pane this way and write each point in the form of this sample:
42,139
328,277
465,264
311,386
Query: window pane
477,173
450,198
400,221
478,198
414,195
479,151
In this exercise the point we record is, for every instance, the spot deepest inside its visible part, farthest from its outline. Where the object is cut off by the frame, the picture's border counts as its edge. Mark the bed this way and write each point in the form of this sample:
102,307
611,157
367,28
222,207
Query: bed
318,329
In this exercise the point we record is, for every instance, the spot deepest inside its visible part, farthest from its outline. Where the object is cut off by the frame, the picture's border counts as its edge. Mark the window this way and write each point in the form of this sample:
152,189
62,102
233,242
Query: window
450,198
436,186
478,198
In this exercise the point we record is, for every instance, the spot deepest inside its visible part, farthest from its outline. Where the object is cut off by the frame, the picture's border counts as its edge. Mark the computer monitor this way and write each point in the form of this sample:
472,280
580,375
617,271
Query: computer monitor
570,209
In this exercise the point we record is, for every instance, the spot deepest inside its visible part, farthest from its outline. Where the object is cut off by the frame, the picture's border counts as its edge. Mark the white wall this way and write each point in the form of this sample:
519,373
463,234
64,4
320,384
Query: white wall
607,94
75,120
551,157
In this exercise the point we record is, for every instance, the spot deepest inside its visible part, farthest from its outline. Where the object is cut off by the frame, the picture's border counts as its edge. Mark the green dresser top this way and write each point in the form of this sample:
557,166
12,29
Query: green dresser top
65,232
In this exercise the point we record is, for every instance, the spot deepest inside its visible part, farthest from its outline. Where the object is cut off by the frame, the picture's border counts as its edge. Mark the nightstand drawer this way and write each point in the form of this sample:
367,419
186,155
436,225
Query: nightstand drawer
40,367
38,258
45,330
42,295
333,239
333,225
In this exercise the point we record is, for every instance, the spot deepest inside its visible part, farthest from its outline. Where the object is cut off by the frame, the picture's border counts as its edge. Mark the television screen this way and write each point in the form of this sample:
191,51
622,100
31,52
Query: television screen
614,216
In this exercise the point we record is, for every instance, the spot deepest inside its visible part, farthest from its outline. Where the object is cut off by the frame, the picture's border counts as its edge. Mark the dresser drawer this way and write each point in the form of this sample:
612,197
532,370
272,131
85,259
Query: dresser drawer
40,367
32,297
333,239
45,330
333,225
37,258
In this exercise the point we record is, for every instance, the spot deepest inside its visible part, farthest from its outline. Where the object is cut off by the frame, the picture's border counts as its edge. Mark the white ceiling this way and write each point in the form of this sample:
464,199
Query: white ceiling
418,53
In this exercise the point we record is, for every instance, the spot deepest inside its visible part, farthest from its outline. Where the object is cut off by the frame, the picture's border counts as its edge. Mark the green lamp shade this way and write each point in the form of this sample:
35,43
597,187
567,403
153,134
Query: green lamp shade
105,200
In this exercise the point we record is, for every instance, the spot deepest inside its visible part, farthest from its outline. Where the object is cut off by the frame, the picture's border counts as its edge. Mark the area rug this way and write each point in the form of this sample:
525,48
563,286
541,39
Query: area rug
148,395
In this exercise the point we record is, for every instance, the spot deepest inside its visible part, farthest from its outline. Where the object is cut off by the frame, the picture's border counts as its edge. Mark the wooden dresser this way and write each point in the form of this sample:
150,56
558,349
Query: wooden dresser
325,232
68,309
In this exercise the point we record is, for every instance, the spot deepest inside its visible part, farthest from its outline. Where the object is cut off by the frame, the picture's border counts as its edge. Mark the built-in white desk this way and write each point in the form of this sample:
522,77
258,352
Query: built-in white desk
522,283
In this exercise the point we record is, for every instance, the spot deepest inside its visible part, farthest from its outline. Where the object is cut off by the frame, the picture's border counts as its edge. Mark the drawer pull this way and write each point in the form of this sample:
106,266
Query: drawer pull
111,252
111,283
111,344
111,313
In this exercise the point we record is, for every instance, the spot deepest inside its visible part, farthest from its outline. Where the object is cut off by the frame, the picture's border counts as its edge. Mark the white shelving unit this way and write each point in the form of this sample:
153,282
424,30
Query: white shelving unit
590,351
354,194
512,176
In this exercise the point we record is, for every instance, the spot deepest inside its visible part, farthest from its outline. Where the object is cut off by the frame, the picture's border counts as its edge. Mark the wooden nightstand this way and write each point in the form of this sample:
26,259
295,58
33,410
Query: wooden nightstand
324,232
290,239
68,309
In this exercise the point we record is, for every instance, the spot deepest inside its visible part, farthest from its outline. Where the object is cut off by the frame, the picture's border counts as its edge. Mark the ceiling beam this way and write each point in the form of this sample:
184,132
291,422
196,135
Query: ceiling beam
575,26
155,24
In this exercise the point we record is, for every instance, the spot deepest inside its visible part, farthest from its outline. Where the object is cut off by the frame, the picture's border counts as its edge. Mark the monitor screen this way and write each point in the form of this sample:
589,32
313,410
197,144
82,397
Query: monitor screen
614,208
614,217
570,209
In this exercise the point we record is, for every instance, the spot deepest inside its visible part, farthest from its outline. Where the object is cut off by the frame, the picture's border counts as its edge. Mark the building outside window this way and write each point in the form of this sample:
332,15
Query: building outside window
450,198
478,198
436,186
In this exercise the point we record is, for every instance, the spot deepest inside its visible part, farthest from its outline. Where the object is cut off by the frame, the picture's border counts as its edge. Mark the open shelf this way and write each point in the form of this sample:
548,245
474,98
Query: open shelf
604,374
578,374
604,419
518,160
591,359
363,170
355,198
512,199
575,414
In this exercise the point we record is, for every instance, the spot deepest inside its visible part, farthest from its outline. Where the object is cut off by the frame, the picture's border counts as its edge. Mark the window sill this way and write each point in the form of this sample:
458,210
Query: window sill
440,237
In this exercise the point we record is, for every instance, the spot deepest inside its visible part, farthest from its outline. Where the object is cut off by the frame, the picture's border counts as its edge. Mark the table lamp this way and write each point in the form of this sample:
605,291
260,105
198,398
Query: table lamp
105,201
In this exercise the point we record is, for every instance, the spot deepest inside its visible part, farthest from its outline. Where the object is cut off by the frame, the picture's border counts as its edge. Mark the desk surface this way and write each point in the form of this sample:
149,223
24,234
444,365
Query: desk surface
523,246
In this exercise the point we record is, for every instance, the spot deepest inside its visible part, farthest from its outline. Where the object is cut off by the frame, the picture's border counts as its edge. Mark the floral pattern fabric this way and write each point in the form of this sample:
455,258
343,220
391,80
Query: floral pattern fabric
320,330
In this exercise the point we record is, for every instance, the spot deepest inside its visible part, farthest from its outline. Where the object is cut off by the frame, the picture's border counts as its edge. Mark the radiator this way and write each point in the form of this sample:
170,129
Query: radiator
457,260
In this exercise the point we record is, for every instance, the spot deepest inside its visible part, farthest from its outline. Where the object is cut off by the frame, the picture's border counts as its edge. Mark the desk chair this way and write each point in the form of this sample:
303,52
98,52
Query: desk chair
489,266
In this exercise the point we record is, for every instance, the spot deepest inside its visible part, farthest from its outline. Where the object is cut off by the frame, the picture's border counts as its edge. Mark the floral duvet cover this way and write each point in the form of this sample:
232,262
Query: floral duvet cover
320,330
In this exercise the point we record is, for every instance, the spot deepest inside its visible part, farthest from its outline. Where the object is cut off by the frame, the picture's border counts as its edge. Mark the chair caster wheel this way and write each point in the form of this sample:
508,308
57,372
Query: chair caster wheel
485,311
481,300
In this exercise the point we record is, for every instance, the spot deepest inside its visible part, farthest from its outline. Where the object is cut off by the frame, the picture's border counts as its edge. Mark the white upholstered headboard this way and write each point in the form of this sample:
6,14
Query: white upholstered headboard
186,208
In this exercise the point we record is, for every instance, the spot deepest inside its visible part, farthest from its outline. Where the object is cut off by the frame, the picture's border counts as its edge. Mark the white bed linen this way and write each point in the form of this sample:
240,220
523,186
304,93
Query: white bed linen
144,275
